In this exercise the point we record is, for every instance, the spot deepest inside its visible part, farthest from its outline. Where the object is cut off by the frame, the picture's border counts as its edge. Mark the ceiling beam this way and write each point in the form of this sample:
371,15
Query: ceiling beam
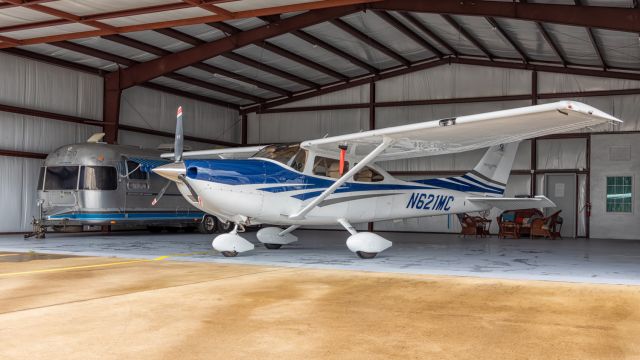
124,40
323,44
192,40
210,7
593,41
141,73
467,35
231,30
397,71
413,20
508,38
552,44
406,31
611,18
86,50
265,11
342,25
63,15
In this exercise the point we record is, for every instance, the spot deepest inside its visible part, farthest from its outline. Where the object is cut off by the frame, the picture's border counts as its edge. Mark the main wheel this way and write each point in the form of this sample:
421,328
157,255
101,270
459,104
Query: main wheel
225,227
272,246
366,255
208,225
229,253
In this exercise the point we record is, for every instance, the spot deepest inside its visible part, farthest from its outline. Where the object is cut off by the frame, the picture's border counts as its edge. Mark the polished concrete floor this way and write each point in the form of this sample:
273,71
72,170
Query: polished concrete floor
67,307
573,260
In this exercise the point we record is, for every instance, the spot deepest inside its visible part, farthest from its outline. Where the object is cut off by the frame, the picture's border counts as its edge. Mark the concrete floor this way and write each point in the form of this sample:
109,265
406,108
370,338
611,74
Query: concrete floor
573,260
54,307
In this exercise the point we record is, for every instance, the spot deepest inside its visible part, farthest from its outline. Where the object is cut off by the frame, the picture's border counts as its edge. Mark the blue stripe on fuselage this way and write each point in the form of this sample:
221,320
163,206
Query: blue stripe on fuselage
257,171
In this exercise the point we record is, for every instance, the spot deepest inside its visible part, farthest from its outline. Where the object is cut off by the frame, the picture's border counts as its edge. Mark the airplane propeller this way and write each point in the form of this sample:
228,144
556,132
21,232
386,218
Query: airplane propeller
178,145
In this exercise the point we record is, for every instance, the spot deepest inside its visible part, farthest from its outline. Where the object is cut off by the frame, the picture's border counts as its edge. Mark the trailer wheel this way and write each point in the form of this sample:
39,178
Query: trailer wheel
225,227
209,224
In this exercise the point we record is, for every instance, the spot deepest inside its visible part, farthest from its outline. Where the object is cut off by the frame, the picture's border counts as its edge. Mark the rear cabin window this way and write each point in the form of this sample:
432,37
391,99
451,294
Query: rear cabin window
135,172
368,175
328,167
98,178
61,178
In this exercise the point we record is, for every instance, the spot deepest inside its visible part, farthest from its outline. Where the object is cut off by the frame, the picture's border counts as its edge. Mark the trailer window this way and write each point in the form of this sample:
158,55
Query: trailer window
41,178
61,178
98,178
135,172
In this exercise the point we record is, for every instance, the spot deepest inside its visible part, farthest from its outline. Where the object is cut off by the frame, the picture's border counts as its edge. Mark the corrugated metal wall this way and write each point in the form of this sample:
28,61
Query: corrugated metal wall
36,85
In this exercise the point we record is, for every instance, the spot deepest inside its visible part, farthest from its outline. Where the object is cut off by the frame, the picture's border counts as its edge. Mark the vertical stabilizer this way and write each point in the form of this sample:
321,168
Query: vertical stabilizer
492,172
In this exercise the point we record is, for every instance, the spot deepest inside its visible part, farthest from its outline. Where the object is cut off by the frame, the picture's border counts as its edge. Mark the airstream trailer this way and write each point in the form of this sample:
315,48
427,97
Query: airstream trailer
96,183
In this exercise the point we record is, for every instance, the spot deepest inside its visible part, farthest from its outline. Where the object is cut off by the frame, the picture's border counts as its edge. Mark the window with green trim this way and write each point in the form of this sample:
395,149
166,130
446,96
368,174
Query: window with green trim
619,194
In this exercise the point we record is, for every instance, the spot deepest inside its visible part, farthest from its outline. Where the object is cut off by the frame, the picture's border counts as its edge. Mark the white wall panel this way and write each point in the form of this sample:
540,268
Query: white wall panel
148,141
562,153
558,83
19,178
289,127
156,110
358,94
454,81
40,86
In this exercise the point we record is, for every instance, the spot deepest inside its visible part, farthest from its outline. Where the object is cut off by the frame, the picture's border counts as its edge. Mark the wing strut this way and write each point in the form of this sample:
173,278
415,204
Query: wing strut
386,142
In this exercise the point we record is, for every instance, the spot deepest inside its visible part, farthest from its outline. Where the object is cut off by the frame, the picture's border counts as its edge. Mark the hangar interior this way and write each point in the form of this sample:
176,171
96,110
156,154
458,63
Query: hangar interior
252,74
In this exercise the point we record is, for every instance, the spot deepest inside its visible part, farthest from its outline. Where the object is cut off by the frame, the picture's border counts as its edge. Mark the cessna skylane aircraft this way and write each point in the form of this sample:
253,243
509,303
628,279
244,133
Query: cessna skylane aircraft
335,180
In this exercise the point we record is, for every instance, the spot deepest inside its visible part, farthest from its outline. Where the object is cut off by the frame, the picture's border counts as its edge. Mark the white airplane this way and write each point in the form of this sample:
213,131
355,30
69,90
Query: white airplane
335,180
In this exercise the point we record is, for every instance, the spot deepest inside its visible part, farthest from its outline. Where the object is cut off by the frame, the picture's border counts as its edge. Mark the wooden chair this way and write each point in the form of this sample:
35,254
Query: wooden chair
473,225
549,227
507,228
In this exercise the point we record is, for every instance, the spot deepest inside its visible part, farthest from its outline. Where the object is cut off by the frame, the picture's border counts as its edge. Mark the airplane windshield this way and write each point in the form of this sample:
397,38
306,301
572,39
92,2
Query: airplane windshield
280,153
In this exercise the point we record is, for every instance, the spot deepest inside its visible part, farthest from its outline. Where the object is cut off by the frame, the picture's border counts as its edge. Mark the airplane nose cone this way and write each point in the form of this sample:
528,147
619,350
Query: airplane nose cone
171,171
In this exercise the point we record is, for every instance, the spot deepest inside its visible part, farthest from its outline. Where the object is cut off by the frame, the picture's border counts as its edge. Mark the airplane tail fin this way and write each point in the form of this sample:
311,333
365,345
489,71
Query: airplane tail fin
492,172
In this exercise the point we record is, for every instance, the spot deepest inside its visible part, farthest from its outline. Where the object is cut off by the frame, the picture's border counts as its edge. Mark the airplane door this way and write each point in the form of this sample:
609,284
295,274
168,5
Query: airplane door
561,189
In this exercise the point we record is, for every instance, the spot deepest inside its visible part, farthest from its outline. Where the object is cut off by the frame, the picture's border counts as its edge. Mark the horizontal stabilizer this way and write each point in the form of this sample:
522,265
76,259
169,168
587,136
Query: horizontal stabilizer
538,201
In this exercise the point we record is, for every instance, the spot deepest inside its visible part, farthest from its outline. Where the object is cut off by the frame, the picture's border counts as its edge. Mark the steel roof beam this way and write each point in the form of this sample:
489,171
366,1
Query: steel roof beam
321,43
552,44
231,30
178,77
594,42
467,35
508,39
399,70
141,73
239,58
406,31
123,40
412,19
306,6
342,25
603,17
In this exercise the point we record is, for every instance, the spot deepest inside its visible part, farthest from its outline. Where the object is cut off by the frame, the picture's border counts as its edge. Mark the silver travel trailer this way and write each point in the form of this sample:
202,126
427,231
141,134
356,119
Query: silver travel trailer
96,183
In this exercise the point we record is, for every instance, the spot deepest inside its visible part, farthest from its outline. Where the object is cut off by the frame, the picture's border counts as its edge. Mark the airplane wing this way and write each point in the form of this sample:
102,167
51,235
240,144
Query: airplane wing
465,133
538,201
226,153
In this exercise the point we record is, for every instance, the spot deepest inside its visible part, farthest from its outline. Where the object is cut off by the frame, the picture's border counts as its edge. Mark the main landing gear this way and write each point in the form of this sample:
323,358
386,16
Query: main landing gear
365,244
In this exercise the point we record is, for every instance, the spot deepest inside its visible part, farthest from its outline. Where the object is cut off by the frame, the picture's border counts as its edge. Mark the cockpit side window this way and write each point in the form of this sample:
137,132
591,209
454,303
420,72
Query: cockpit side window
134,171
299,161
280,153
